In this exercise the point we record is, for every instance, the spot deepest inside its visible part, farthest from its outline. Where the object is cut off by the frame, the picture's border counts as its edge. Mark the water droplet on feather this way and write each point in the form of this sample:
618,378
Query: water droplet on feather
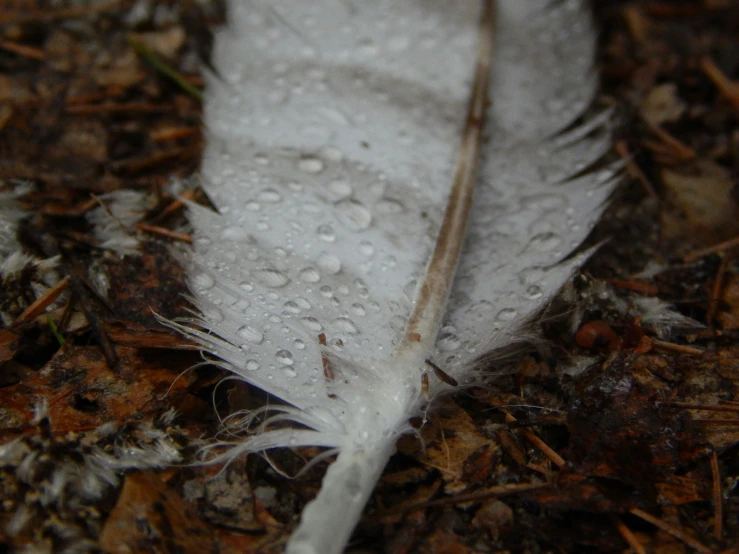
250,334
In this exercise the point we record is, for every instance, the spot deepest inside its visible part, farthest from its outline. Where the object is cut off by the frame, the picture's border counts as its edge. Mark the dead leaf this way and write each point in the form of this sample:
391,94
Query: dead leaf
701,211
454,446
662,104
619,430
729,316
83,392
8,345
494,517
150,517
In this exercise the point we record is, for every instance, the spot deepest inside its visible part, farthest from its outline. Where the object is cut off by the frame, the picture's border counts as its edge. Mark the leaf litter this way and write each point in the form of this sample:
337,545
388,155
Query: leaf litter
637,429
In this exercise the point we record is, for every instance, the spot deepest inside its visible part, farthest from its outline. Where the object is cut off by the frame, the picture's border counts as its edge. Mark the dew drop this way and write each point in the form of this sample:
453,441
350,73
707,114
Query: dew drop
250,334
271,277
366,248
359,309
346,325
340,189
246,286
311,165
236,233
390,206
311,323
353,214
326,233
270,196
506,314
292,306
326,291
299,344
252,365
309,275
534,292
302,303
252,206
545,242
213,314
531,275
448,341
203,281
328,264
285,357
332,153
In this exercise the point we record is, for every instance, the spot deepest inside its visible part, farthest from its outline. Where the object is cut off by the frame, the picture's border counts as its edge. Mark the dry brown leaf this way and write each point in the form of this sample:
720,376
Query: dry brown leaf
701,209
150,517
454,446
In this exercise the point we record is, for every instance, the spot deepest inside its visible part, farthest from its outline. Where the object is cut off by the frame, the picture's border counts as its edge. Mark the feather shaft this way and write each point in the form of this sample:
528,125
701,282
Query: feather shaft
433,293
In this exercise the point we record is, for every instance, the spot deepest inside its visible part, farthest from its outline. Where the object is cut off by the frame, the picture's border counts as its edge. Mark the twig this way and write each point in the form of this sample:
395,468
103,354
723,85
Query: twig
23,50
632,167
155,229
137,165
493,492
540,444
507,442
721,246
636,286
674,531
174,133
672,347
48,298
128,107
728,88
65,13
708,408
669,148
174,206
717,422
718,499
718,283
627,535
636,22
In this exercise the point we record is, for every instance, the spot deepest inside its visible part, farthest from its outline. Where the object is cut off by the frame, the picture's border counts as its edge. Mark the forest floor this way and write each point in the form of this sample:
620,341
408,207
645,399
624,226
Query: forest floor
623,434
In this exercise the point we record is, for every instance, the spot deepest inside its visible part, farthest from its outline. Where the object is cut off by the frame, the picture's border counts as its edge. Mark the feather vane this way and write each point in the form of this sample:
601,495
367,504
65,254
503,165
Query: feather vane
343,195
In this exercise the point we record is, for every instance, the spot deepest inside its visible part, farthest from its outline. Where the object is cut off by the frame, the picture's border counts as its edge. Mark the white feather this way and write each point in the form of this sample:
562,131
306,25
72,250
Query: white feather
334,137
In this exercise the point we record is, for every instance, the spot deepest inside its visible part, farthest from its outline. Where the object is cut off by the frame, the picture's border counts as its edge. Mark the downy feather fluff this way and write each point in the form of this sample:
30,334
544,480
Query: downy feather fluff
343,141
